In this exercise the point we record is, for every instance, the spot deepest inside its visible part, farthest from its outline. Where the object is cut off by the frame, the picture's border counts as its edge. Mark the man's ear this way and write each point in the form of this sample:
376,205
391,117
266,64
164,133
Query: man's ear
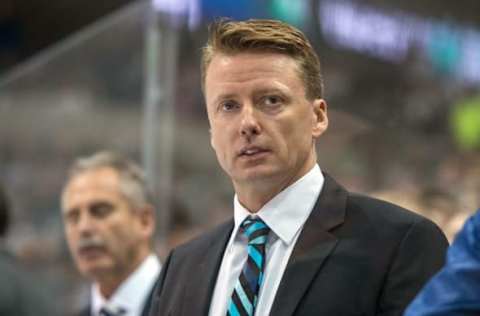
212,142
147,219
319,117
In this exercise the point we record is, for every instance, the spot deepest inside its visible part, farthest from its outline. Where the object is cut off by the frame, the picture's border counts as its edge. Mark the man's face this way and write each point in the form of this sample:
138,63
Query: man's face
262,125
105,235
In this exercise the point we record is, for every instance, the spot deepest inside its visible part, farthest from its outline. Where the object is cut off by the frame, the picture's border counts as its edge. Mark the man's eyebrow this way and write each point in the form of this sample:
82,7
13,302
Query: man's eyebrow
268,90
97,203
69,210
223,96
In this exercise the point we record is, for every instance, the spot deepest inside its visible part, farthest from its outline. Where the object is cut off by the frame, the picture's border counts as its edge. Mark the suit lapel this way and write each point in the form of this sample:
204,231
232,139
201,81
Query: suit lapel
199,291
148,302
313,246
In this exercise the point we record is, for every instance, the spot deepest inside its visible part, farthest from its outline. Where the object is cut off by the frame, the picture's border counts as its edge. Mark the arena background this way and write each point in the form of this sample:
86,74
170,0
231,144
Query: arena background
402,84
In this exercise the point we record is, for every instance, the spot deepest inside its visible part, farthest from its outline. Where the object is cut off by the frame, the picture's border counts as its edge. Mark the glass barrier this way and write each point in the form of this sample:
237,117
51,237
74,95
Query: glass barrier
79,96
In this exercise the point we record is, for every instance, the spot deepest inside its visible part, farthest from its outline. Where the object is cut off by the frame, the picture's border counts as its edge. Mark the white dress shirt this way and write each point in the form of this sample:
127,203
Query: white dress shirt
131,295
285,215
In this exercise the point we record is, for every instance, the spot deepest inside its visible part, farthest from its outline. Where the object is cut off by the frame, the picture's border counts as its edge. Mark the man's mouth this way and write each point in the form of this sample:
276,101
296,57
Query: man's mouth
91,251
252,151
91,247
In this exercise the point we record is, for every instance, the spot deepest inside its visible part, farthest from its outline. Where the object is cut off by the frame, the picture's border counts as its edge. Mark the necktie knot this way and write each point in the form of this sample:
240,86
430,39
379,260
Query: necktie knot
255,230
104,311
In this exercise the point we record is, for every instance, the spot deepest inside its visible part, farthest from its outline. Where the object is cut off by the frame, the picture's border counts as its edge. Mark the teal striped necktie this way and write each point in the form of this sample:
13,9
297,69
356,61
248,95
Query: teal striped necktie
245,294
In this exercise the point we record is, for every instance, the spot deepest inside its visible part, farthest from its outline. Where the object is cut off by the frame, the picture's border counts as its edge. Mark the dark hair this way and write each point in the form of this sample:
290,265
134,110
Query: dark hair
232,37
4,212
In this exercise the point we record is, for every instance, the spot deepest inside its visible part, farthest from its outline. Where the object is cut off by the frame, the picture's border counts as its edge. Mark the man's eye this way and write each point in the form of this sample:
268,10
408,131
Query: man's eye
229,105
272,100
72,216
101,209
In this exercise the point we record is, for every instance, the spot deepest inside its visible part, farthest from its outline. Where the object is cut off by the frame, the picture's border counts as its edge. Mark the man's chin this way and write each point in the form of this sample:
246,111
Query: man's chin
256,175
94,270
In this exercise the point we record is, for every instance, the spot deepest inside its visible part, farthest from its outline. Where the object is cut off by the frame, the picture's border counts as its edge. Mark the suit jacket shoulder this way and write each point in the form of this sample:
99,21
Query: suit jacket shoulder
196,246
387,217
84,311
189,274
358,255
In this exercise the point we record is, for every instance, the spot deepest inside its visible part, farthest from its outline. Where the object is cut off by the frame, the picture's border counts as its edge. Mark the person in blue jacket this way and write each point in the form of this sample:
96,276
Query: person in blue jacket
455,289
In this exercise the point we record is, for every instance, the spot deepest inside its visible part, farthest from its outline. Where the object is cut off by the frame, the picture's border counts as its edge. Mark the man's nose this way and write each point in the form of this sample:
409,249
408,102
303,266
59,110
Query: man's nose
249,125
85,223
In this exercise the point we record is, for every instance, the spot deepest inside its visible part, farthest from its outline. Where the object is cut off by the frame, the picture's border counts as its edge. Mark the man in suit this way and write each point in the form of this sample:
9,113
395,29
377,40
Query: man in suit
19,293
299,243
109,225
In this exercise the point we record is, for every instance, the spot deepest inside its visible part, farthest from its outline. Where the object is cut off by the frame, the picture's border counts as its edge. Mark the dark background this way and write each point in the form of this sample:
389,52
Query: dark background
27,27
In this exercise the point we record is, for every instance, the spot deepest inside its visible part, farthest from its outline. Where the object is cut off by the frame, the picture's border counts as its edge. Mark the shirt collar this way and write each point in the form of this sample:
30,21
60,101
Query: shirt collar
286,213
131,294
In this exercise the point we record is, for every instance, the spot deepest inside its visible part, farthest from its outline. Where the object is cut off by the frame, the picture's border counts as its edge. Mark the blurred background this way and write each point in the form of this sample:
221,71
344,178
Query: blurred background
402,82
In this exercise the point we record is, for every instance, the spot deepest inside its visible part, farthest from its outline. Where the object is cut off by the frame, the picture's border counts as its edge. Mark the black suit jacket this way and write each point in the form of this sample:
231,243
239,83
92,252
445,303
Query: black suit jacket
148,305
355,256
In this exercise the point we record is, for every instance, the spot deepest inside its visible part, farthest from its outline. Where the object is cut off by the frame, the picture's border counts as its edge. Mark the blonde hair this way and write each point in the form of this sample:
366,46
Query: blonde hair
231,37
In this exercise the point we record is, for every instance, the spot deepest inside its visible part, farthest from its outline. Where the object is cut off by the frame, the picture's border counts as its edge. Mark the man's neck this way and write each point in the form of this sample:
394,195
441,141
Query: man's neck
253,195
107,288
252,200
